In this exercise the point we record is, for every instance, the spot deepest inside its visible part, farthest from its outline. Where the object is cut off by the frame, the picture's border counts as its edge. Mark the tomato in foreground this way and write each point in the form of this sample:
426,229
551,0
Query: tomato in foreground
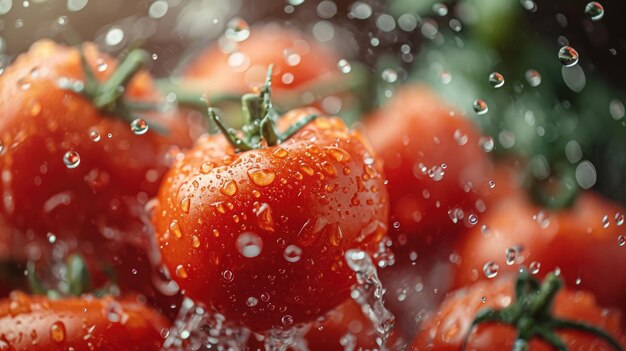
37,323
261,234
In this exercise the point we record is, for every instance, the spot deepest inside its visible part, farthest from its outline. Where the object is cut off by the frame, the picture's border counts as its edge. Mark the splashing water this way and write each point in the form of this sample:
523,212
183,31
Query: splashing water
196,328
368,293
282,340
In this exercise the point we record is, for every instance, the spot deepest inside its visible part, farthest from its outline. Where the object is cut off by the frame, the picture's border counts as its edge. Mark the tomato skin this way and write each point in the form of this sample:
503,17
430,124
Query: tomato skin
574,240
320,192
415,132
293,54
37,323
447,328
104,195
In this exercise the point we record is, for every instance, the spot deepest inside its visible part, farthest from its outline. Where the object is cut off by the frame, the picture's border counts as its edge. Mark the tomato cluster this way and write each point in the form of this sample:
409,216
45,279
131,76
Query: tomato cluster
254,224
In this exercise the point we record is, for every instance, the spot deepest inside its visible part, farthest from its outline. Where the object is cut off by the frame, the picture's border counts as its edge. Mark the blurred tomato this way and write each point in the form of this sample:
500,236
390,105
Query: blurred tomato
238,67
446,329
582,241
436,170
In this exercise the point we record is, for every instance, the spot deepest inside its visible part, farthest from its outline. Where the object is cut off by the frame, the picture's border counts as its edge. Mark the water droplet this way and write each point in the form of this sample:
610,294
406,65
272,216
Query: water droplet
280,152
480,107
57,331
605,221
252,301
71,159
496,79
340,155
237,29
490,269
181,272
486,143
473,219
264,215
175,228
445,77
568,56
114,36
287,320
185,204
440,9
534,267
94,135
542,219
158,9
206,167
533,77
249,244
101,65
619,218
51,238
229,188
511,255
261,177
292,253
195,241
594,10
344,66
139,126
621,240
228,276
389,75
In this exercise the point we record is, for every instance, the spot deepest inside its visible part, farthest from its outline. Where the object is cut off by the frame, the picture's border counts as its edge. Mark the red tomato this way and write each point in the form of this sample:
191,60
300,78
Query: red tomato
239,67
447,328
436,170
67,169
37,323
579,241
261,235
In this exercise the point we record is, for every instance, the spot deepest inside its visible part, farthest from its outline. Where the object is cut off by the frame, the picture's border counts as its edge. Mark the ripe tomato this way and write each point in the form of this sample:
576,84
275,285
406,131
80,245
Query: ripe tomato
82,323
581,241
238,67
446,329
69,170
261,235
436,170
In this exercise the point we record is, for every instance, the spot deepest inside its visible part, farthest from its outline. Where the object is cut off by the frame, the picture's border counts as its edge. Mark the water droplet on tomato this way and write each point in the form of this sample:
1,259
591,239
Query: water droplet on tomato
252,301
175,229
229,188
71,159
195,241
339,154
57,331
510,254
261,177
94,135
621,240
534,267
228,276
185,204
292,253
280,152
486,143
265,218
181,272
249,244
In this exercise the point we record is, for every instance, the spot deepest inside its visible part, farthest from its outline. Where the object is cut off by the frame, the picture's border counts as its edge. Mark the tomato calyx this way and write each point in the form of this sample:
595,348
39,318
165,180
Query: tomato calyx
531,315
75,280
259,121
108,96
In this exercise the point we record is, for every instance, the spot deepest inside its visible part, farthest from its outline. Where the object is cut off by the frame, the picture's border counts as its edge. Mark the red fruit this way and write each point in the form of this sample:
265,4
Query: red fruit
436,170
299,62
447,328
37,323
581,241
261,235
69,169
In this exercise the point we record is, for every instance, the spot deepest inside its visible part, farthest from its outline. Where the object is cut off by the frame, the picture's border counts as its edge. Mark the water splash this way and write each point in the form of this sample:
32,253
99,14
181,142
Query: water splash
368,293
196,328
290,339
